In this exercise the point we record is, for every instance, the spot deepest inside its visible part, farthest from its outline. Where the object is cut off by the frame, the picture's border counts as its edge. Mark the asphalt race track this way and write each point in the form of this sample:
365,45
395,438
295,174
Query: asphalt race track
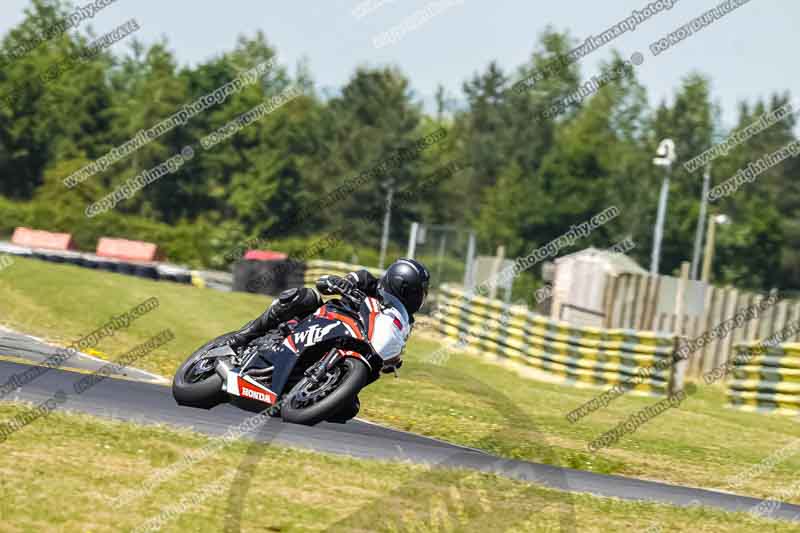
140,397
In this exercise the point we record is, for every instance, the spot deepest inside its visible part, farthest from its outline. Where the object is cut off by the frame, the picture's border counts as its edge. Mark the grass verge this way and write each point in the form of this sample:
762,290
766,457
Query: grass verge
75,473
466,400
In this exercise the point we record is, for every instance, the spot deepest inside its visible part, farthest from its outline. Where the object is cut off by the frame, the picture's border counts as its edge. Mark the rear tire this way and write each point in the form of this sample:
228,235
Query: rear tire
354,378
205,392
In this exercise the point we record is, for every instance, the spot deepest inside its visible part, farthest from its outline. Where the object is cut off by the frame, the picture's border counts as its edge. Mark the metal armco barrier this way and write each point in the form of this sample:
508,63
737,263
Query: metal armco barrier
578,355
766,378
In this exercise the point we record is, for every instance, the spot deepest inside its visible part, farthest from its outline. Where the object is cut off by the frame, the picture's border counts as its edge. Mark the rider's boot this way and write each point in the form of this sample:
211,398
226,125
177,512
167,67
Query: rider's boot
292,303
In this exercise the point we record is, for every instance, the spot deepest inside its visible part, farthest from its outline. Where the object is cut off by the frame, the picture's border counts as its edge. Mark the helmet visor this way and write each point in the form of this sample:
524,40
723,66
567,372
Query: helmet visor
424,292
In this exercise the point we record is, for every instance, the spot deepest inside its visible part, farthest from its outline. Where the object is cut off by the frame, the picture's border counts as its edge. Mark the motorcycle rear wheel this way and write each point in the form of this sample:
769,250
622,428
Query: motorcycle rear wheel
310,403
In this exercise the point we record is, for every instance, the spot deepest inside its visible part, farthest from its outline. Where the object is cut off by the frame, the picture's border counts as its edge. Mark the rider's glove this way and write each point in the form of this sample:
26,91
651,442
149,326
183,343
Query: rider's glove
364,281
334,285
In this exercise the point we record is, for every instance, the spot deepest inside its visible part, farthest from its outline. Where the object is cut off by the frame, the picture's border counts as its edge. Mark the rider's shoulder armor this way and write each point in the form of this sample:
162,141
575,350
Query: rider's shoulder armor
391,329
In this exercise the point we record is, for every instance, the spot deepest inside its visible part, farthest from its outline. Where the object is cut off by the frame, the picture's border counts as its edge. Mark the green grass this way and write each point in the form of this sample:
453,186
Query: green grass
62,303
75,473
467,401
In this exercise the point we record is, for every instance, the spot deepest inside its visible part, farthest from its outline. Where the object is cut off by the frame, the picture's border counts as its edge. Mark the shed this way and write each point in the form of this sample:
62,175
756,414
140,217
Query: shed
579,284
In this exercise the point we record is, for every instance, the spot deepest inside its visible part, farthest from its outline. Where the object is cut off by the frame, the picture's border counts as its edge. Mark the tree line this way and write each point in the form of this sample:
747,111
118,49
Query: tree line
523,176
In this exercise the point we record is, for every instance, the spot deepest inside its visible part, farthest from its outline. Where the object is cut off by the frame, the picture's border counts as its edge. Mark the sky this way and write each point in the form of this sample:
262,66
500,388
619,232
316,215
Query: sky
750,53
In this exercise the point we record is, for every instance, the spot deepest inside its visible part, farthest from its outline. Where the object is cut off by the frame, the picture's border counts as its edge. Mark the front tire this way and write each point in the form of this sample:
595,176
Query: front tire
196,383
310,404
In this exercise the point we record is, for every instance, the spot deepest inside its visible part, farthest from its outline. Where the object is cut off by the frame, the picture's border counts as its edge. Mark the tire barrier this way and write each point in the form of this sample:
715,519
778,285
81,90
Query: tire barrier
73,258
147,270
126,268
88,263
268,277
13,249
105,264
173,273
213,279
587,356
765,379
284,273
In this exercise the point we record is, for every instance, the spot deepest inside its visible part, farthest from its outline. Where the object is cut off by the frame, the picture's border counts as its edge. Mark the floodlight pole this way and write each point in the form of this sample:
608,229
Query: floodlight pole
469,267
701,220
412,240
665,156
387,219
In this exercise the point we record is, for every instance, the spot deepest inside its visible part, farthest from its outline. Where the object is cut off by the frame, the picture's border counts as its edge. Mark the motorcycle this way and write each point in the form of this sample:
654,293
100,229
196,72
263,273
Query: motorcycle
304,371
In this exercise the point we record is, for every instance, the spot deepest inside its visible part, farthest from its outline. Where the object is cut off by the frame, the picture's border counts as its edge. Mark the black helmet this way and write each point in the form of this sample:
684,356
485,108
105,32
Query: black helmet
407,280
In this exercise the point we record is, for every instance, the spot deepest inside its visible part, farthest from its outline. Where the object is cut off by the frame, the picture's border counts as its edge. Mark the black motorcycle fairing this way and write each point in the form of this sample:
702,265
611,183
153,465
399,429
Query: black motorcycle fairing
283,360
307,342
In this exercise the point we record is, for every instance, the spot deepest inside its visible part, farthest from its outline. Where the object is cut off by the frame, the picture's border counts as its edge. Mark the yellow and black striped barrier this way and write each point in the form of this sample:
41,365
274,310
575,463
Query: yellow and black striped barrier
766,378
580,355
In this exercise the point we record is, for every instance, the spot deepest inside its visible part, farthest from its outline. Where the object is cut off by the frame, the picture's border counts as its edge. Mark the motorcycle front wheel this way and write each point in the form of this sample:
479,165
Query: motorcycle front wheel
311,402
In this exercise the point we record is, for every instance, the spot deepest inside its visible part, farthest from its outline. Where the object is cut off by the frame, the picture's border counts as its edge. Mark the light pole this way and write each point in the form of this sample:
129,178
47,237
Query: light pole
387,220
701,220
665,156
710,238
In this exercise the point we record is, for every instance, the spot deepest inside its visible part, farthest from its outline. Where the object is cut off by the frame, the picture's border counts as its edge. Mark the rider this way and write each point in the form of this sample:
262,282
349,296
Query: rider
401,290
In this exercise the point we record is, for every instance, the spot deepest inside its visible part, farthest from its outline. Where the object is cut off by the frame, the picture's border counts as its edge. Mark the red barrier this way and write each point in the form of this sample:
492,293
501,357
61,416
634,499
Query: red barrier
32,238
264,255
128,250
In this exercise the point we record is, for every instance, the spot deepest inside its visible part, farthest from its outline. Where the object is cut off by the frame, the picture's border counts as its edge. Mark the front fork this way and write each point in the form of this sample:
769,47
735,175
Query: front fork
317,371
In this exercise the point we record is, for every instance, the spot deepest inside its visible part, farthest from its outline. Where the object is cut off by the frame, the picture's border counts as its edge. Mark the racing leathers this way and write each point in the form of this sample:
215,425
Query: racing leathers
390,331
300,302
